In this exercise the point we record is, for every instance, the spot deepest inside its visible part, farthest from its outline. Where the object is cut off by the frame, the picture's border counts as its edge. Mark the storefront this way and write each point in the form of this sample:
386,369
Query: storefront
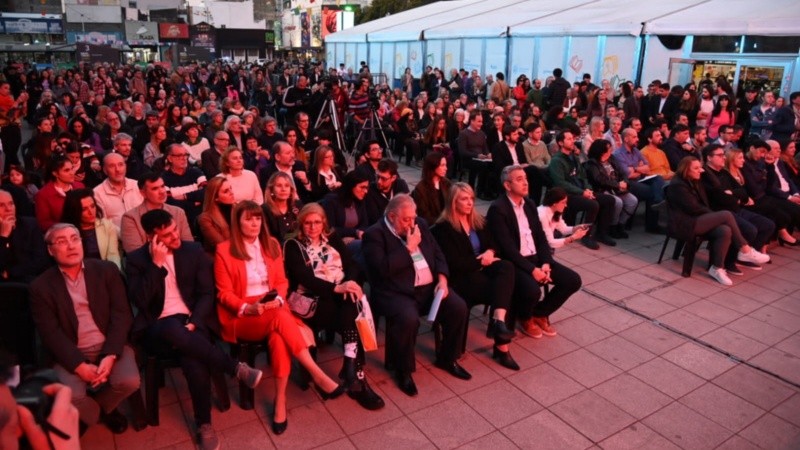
142,38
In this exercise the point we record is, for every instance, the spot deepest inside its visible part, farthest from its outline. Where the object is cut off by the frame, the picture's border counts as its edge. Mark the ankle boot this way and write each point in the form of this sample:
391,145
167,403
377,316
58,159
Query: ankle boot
499,331
348,373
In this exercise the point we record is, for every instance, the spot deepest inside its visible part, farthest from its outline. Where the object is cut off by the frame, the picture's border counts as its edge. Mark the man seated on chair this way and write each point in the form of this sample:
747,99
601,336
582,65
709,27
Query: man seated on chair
171,282
383,187
514,222
406,268
23,255
83,317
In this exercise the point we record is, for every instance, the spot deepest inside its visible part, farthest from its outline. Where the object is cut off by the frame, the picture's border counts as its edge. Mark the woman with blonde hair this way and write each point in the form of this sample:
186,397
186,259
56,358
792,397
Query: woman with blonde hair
215,220
325,175
247,269
244,182
281,206
475,270
319,264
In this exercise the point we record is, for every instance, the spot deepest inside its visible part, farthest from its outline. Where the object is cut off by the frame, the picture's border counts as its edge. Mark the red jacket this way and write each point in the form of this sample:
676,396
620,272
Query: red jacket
50,204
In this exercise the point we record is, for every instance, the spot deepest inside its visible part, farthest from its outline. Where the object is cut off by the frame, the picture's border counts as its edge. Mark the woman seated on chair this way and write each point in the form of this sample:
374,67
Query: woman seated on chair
692,216
246,268
99,236
431,191
319,265
607,177
345,208
281,206
475,271
215,220
551,216
325,175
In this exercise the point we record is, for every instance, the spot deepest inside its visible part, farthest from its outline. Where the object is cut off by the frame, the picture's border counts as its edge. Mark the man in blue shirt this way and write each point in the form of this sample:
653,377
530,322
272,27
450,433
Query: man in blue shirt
646,187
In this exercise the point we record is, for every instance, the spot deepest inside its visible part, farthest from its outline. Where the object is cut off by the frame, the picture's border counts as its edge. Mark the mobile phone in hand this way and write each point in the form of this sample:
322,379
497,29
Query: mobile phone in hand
269,296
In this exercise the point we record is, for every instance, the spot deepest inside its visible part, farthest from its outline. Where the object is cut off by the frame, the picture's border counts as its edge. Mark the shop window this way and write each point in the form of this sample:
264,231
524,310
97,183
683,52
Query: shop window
716,44
772,44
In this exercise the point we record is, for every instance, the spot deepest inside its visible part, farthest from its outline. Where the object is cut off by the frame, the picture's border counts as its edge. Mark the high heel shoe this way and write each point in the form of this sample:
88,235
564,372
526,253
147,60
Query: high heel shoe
279,427
504,358
782,242
331,395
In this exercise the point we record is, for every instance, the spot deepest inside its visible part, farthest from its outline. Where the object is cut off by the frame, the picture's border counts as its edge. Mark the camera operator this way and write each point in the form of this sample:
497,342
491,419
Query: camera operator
297,98
60,427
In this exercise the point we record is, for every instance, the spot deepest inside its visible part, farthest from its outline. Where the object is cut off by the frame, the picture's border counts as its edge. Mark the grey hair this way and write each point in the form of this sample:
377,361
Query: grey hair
270,119
399,202
232,118
506,173
56,228
122,137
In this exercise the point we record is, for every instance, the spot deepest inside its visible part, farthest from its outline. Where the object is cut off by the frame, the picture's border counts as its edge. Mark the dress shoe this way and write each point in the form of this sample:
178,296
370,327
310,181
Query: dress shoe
589,243
361,392
279,427
504,358
499,331
454,369
115,422
784,242
332,394
406,383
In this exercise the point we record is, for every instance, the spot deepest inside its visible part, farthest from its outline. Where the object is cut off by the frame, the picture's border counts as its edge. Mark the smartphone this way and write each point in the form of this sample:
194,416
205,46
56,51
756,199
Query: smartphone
269,296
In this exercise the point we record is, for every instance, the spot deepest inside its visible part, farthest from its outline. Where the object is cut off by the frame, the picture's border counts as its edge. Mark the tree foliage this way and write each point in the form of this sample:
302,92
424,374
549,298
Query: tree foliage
381,8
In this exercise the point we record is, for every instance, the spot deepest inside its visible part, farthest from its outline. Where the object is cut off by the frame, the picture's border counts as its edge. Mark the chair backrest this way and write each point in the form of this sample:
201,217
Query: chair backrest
17,331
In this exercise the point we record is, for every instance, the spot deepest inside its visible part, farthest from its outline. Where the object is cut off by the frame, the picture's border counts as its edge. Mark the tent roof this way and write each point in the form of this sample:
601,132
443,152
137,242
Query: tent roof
496,22
600,17
405,18
731,18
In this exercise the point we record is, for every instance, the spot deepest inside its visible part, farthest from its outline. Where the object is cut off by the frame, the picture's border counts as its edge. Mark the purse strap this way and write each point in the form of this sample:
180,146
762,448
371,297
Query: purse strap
302,250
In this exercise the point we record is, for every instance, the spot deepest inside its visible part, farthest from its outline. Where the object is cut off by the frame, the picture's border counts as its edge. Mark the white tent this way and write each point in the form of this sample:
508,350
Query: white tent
731,18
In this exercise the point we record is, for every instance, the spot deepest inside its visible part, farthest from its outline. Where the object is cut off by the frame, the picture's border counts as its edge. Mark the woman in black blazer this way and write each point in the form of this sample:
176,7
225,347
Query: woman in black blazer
345,208
325,176
475,271
318,264
693,216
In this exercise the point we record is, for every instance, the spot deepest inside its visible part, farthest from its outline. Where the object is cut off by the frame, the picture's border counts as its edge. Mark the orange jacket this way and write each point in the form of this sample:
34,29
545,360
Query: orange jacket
231,278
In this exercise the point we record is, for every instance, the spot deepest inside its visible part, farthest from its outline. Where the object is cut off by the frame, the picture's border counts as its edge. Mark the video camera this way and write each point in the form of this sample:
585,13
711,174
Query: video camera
30,395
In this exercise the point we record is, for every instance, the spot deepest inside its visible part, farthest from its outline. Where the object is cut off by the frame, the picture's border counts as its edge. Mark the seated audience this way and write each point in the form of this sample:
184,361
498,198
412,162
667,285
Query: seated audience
641,181
345,208
520,238
475,270
655,157
243,182
430,194
246,269
83,317
406,271
184,183
99,236
281,206
215,220
116,194
325,175
171,283
23,254
551,216
60,179
384,187
608,177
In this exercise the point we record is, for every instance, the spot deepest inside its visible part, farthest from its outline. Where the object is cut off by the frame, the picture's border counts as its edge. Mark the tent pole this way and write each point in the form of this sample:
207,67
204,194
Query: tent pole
640,65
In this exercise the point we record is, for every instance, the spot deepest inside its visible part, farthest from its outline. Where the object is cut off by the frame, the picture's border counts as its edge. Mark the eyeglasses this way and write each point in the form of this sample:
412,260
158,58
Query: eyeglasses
312,223
180,155
383,177
63,242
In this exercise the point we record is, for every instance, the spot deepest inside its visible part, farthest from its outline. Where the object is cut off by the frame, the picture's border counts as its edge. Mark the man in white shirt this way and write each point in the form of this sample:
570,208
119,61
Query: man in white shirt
116,194
513,221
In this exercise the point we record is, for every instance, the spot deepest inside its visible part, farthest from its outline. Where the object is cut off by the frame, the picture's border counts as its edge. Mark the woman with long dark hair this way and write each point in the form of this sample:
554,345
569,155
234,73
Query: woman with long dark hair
215,220
99,235
431,192
60,179
85,134
724,113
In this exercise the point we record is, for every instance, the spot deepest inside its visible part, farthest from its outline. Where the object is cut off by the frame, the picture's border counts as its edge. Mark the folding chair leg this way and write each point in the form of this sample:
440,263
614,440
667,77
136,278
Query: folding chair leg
246,395
663,249
151,384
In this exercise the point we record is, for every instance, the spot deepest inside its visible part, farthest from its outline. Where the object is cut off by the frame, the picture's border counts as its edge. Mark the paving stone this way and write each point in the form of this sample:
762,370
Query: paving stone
699,360
592,415
772,432
545,384
722,407
638,437
667,377
687,428
620,352
545,431
585,367
633,395
750,384
501,403
451,423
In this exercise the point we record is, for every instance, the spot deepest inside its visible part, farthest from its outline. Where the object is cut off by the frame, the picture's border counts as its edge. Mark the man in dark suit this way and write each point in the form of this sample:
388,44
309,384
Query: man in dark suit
664,106
23,255
83,317
386,184
172,285
284,160
514,223
406,268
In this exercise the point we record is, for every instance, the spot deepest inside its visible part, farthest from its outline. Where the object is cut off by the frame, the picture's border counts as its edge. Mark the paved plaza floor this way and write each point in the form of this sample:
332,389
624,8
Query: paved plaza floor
644,359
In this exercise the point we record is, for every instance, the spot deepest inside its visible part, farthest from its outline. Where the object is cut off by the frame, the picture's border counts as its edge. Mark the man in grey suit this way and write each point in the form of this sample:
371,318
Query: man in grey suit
83,315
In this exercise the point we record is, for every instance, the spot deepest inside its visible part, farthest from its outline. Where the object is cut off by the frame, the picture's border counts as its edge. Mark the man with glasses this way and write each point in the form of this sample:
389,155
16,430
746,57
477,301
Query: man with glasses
83,315
383,187
727,194
373,154
110,130
209,159
185,184
304,138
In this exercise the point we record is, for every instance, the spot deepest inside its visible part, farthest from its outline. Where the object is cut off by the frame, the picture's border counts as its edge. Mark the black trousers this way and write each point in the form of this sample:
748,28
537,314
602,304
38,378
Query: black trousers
492,285
599,211
402,324
478,170
198,356
784,213
527,292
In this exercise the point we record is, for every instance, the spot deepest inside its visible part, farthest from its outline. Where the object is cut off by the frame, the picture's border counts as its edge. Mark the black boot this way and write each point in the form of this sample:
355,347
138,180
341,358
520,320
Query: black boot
348,372
361,392
499,331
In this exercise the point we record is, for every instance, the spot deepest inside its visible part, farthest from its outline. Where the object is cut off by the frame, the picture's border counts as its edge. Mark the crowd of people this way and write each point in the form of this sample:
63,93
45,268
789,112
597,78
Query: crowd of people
154,209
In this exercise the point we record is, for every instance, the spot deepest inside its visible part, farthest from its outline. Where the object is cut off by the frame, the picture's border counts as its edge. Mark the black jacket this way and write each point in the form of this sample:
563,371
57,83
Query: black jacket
300,273
502,223
687,201
457,249
23,254
335,211
376,202
716,183
601,180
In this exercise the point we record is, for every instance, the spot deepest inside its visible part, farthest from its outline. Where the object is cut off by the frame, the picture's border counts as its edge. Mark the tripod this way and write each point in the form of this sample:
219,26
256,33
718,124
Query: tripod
372,126
328,112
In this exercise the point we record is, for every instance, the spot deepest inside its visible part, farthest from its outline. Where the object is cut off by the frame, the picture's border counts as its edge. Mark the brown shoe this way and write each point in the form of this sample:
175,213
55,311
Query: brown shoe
544,324
530,328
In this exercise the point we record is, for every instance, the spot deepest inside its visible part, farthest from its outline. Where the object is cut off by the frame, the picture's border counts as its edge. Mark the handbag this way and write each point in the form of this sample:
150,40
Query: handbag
303,306
366,325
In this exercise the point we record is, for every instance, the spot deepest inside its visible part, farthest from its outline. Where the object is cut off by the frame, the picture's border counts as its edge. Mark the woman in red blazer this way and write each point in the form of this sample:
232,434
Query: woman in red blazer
246,267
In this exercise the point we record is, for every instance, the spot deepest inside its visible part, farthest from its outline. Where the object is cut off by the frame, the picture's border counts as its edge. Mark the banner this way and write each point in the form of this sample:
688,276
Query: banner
329,20
171,31
89,53
316,27
96,38
305,29
31,26
141,33
204,35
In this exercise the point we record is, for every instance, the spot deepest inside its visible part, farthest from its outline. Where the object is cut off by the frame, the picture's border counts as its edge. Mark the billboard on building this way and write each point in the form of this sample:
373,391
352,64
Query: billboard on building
203,35
90,53
336,18
171,31
30,26
141,33
112,38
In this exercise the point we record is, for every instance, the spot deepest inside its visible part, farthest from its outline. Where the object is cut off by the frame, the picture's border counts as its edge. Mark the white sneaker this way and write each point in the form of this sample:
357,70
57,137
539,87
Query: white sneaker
720,275
754,256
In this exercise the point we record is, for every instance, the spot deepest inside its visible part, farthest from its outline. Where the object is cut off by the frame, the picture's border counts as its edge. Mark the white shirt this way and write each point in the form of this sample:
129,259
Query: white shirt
549,226
245,187
256,269
526,245
784,184
115,205
513,150
173,301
